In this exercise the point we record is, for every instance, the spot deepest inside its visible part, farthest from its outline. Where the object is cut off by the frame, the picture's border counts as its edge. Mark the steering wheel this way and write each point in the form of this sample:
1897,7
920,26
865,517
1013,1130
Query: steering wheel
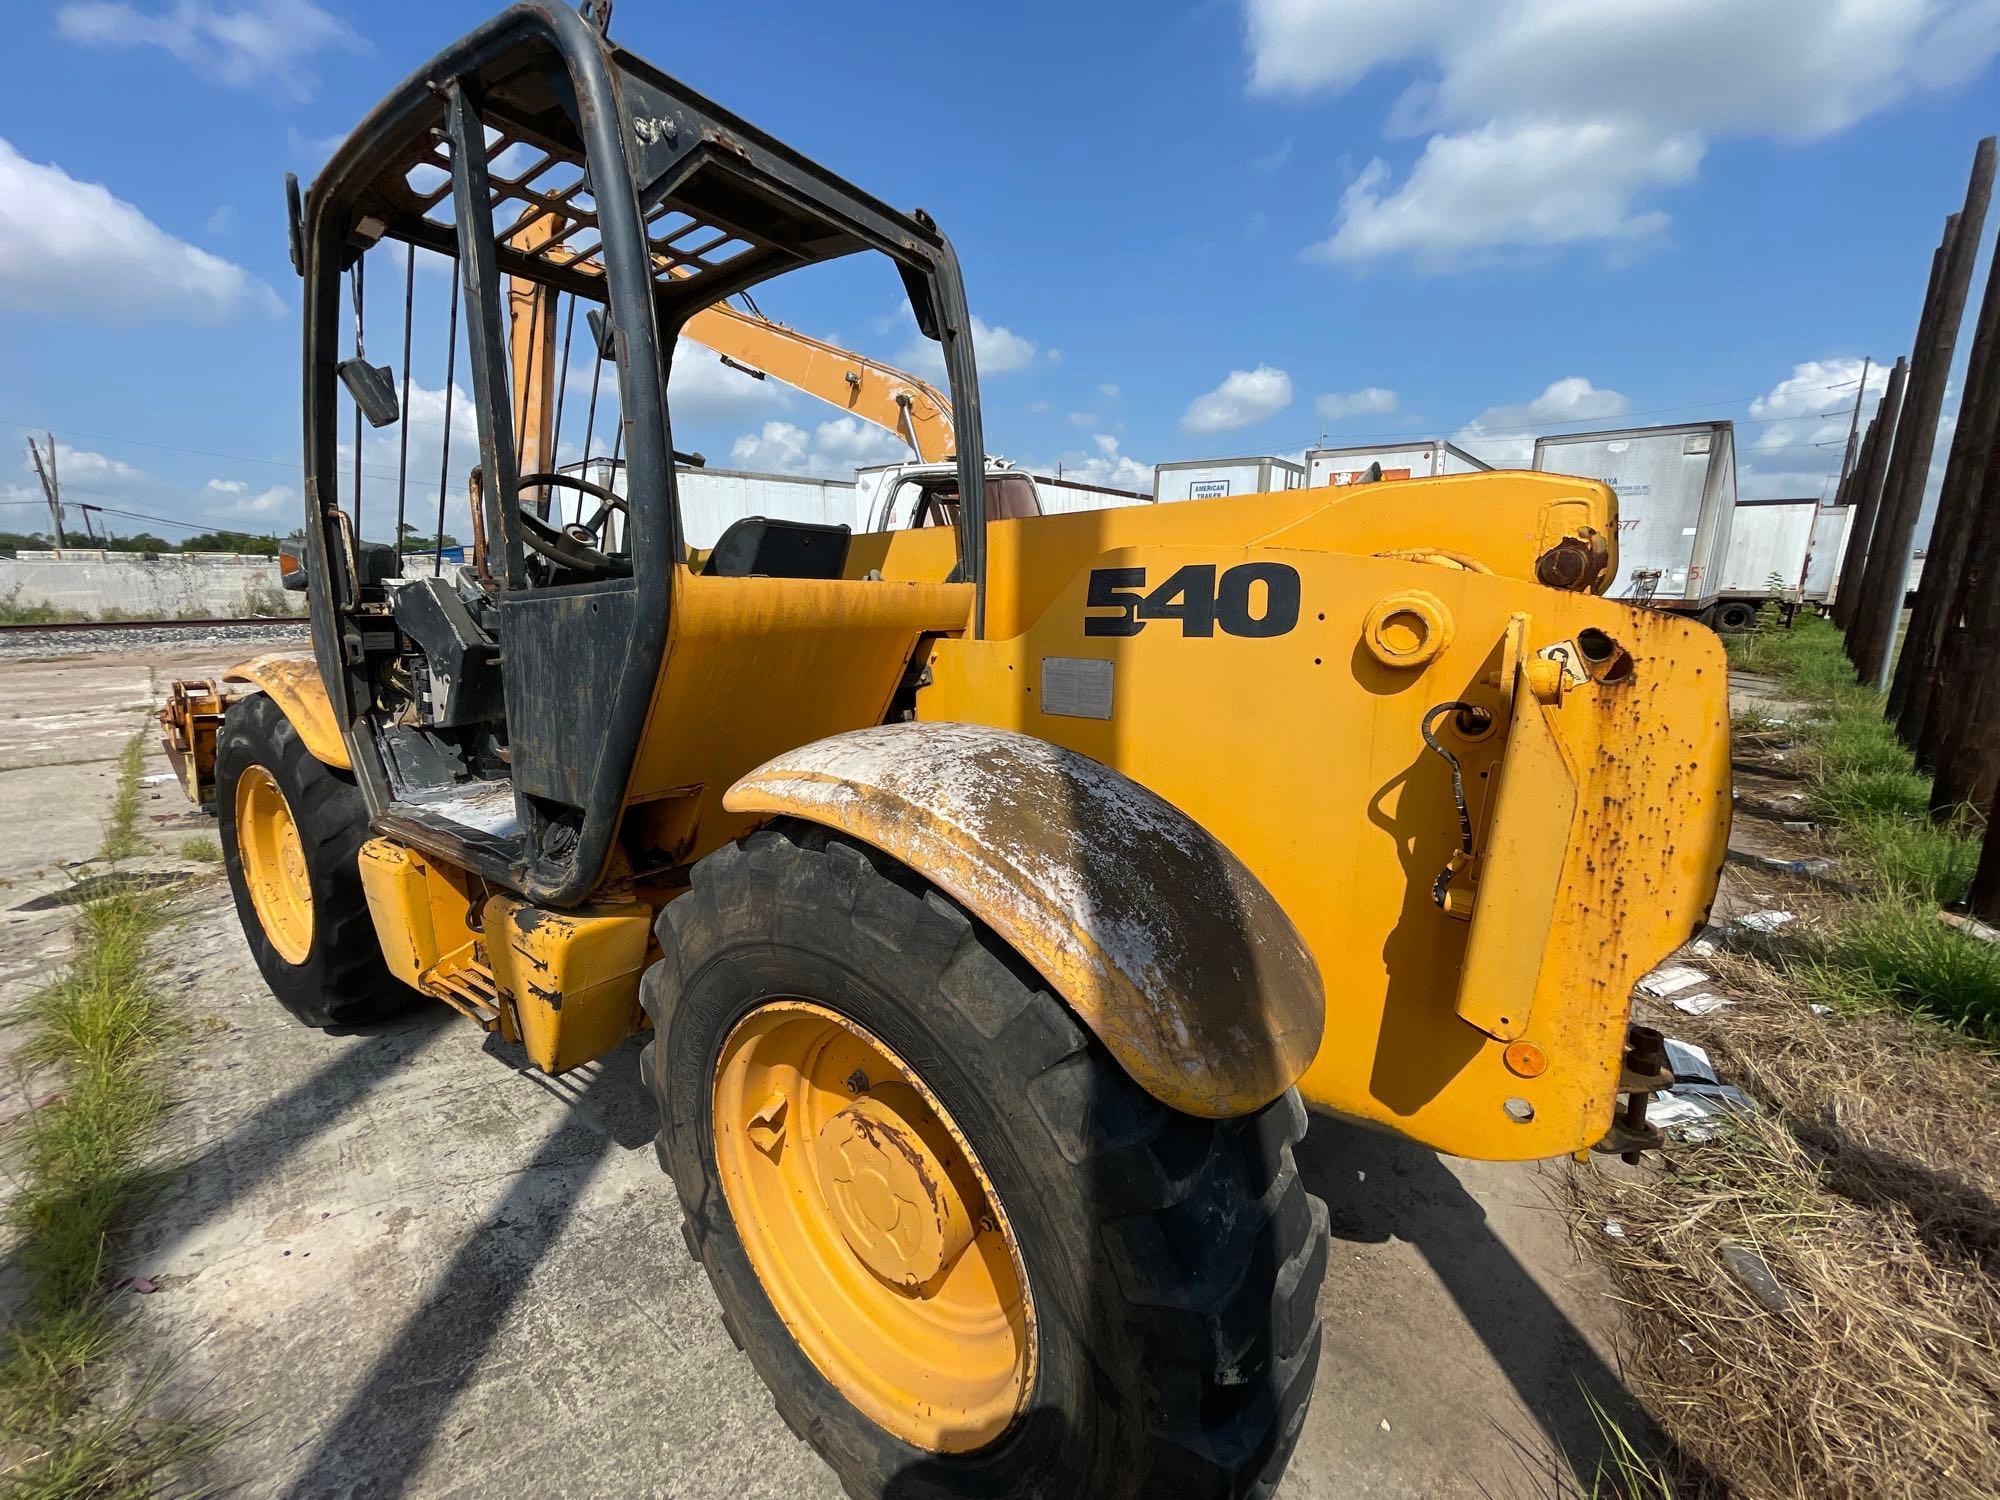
579,546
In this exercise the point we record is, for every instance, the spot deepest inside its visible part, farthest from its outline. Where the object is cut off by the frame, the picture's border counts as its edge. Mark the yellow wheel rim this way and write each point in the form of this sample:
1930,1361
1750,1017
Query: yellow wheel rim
274,864
874,1230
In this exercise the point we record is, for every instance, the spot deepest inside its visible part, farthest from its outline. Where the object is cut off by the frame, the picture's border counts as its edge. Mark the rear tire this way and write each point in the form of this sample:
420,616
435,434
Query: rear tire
1173,1263
1733,615
336,976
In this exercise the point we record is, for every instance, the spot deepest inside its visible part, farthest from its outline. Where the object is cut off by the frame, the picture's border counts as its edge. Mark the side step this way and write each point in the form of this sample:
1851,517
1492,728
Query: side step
464,982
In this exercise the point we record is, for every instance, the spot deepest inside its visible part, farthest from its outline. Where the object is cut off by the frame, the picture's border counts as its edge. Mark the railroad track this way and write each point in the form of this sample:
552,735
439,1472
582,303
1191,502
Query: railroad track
64,627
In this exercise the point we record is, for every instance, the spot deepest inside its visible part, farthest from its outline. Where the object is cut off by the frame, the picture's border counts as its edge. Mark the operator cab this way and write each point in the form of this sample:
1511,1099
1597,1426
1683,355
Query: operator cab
504,710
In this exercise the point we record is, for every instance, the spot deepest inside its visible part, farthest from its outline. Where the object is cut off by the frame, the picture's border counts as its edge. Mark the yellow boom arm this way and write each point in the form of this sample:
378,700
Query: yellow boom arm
867,388
892,399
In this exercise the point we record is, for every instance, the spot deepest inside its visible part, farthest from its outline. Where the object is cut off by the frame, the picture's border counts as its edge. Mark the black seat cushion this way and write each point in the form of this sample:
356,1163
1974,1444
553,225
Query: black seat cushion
758,547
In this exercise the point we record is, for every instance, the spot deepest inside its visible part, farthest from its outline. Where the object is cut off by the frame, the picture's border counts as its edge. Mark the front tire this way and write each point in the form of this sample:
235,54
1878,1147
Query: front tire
291,829
1172,1264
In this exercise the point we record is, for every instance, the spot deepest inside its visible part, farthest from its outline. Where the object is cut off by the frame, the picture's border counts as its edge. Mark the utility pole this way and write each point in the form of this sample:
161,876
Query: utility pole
1865,494
47,475
1854,421
1872,642
1917,680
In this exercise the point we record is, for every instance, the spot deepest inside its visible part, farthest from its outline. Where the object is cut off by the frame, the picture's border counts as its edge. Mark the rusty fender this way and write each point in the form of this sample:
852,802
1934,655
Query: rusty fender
1162,941
293,683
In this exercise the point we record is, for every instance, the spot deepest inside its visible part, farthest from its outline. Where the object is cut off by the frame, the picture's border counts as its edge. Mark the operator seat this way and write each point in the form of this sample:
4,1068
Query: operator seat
759,547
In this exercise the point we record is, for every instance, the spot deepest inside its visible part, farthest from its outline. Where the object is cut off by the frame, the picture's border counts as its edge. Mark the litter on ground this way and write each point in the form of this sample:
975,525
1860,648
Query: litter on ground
1706,1002
1671,981
1766,921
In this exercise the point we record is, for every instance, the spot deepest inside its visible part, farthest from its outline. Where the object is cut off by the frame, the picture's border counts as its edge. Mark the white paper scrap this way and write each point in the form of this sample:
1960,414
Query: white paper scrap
1671,981
1765,921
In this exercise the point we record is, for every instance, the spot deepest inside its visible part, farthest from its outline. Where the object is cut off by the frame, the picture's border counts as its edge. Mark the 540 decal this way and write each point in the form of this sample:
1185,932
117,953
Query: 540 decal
1253,599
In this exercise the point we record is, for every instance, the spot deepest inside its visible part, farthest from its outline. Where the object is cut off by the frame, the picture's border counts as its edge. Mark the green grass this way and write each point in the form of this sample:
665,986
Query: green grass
1855,796
1910,856
1864,788
121,830
81,1161
1893,952
202,848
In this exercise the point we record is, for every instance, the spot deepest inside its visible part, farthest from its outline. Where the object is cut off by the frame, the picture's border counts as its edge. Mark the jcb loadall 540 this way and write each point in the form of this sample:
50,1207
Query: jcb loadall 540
992,898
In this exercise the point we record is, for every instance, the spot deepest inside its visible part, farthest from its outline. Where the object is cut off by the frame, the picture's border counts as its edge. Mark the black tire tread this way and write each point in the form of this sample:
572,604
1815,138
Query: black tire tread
344,981
1218,1250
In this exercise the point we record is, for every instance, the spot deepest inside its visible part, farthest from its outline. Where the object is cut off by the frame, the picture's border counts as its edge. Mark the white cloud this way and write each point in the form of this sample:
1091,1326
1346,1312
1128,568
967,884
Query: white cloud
222,221
261,44
1083,419
1244,398
1601,104
1472,196
998,351
227,486
1107,466
703,389
1001,349
833,450
1370,401
1818,386
1109,391
86,470
1505,435
279,502
1800,428
71,248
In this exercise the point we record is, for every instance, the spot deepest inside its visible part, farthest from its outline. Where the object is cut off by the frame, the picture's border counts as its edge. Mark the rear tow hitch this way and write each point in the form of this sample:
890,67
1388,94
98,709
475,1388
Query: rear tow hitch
1644,1074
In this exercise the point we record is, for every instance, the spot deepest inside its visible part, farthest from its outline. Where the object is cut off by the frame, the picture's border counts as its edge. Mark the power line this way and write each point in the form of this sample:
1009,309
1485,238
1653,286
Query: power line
138,515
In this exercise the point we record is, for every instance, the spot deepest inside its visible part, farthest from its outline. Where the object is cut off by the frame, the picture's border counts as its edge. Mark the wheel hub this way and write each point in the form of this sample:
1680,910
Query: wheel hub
889,1190
273,861
872,1227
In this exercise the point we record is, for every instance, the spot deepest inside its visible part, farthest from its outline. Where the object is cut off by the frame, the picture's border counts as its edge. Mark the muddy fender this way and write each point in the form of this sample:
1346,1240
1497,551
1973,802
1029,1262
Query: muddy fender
1163,942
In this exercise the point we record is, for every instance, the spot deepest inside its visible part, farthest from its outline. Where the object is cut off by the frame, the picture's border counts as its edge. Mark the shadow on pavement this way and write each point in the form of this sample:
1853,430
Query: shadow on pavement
396,1413
1380,1187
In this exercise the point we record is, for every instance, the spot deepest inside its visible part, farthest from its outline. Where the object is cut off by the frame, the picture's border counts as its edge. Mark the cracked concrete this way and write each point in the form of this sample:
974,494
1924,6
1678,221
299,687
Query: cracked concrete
411,1266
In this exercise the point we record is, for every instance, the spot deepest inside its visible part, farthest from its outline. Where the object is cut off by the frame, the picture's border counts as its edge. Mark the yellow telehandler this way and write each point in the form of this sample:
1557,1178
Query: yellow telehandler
993,898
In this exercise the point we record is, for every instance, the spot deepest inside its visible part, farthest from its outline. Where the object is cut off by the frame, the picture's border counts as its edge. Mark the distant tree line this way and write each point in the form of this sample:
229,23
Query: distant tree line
245,543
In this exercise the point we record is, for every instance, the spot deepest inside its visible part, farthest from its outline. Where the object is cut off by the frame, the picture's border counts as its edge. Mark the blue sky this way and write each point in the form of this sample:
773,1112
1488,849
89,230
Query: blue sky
1187,230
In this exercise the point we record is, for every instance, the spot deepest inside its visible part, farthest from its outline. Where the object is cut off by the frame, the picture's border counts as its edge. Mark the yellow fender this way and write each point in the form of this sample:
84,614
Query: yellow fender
292,681
1162,941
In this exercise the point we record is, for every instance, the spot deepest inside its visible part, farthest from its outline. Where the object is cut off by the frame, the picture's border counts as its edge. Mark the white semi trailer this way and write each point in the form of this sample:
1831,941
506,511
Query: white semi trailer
1431,460
1786,548
1212,478
1676,488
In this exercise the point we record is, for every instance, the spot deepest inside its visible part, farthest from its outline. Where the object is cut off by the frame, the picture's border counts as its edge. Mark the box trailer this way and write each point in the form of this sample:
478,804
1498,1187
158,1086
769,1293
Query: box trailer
711,498
1430,460
1827,551
1211,478
1769,543
1676,488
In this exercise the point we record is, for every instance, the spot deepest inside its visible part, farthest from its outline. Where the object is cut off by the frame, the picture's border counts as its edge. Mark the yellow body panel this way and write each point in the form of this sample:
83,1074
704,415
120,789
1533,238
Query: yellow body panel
572,977
1502,521
757,666
293,683
421,908
1302,753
